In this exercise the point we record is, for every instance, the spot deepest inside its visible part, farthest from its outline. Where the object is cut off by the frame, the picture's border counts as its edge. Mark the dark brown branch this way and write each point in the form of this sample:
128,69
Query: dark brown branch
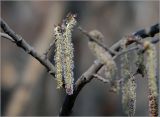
88,75
20,42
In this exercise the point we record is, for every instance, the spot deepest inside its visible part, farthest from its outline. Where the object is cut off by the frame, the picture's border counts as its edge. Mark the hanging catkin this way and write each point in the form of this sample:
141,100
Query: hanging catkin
103,55
128,86
68,53
58,56
151,63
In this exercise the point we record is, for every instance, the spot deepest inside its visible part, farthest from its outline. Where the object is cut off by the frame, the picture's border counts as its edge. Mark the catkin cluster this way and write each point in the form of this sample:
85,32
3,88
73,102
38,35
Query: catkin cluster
129,97
64,54
104,56
151,73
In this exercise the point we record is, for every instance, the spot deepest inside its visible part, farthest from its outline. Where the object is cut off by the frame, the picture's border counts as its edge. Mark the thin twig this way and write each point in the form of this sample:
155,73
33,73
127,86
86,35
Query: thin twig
93,39
49,49
20,42
6,36
125,51
101,78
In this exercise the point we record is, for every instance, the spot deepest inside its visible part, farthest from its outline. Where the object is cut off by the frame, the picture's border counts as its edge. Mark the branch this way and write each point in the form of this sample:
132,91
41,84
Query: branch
88,75
101,78
148,32
6,36
93,39
49,49
153,41
20,42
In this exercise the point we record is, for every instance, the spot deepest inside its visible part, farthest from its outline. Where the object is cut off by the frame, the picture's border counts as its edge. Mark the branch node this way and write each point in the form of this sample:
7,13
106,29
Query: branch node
49,49
101,78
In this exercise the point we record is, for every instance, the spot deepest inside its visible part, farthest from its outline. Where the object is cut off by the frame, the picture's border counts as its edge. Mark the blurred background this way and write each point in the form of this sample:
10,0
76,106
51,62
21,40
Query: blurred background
26,87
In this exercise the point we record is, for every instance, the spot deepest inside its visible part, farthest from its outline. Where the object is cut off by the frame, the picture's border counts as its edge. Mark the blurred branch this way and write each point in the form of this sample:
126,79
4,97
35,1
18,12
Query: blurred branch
153,41
26,47
49,49
144,33
6,36
101,78
93,39
88,75
148,32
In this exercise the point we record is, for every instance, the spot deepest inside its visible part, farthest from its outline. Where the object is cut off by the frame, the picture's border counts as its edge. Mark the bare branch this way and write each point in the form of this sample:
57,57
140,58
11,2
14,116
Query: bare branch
101,78
20,42
92,38
6,36
49,49
125,51
150,32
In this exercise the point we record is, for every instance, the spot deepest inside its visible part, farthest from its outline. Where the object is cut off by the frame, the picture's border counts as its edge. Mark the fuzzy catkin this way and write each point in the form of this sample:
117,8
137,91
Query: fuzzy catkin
128,86
129,97
58,56
104,56
151,73
68,55
132,97
124,74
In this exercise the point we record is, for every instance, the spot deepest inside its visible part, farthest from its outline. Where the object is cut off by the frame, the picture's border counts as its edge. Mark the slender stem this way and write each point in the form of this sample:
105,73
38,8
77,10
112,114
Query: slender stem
6,36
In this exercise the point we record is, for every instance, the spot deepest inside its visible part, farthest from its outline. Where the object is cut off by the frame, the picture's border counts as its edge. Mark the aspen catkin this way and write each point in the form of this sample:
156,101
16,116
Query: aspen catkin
68,54
58,56
151,73
102,54
128,86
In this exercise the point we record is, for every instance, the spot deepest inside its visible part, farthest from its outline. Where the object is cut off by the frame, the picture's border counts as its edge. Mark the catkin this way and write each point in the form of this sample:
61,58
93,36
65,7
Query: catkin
58,56
68,54
104,56
128,86
129,97
125,76
132,97
151,73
